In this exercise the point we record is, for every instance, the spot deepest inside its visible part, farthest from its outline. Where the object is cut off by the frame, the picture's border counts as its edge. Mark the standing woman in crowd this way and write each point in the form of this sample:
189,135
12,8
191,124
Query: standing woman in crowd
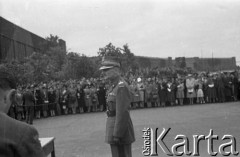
136,97
72,103
94,97
82,97
190,84
141,89
13,108
64,100
148,93
57,89
200,96
19,104
180,90
88,99
39,102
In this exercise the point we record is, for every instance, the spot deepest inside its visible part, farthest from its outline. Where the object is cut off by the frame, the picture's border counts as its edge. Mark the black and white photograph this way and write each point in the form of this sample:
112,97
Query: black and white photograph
119,78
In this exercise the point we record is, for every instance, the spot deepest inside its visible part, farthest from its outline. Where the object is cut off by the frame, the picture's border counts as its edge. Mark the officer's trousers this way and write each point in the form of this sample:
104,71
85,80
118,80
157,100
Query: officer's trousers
121,150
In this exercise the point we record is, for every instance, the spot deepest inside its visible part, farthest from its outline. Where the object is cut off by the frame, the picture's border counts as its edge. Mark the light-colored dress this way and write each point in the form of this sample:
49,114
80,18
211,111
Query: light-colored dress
180,91
141,89
200,91
190,83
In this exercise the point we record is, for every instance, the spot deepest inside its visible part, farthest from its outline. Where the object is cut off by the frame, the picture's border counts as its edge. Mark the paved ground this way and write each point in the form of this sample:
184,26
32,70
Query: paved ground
82,135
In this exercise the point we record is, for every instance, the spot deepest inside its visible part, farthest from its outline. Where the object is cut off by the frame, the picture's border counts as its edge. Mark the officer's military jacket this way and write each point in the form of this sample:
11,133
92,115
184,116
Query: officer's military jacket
120,125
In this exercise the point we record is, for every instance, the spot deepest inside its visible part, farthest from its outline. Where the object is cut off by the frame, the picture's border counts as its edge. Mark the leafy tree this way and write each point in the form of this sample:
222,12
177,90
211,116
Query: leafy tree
78,66
20,70
145,62
51,41
39,64
110,50
162,63
124,55
128,59
57,57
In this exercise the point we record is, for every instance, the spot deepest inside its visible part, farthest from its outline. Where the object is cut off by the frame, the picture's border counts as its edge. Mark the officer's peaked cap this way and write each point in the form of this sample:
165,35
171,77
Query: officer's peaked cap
109,62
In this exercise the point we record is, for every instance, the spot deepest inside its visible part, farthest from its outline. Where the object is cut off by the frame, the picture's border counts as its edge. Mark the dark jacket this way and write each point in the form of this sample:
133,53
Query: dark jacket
18,139
119,100
28,99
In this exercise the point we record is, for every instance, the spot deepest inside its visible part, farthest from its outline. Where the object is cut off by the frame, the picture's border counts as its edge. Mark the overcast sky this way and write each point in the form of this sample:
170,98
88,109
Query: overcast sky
155,28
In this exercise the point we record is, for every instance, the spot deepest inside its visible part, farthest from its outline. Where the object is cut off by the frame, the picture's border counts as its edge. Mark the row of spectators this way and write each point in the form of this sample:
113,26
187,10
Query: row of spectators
89,95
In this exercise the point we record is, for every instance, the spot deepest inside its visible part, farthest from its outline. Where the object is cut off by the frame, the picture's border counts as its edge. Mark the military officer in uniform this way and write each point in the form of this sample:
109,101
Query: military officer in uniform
119,127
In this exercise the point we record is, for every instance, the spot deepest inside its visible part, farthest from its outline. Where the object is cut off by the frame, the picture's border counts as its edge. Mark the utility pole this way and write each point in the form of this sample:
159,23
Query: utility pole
202,61
212,62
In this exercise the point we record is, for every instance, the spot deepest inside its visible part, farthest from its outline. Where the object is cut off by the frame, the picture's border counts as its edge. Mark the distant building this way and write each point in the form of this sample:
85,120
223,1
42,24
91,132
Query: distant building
211,64
195,63
153,62
17,43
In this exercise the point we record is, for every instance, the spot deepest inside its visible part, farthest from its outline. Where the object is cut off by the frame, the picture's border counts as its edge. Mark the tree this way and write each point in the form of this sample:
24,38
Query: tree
40,68
110,50
145,62
50,42
57,57
124,55
78,66
128,59
20,70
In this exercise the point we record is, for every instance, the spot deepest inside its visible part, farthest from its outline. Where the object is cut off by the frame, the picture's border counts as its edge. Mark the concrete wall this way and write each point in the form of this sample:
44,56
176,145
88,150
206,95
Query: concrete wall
195,63
211,64
153,62
17,43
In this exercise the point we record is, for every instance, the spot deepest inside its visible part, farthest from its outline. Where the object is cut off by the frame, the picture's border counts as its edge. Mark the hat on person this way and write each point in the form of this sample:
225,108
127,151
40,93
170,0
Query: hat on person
109,62
189,75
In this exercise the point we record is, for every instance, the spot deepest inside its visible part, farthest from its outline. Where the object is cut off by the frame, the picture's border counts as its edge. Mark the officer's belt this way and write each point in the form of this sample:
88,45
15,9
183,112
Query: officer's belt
111,113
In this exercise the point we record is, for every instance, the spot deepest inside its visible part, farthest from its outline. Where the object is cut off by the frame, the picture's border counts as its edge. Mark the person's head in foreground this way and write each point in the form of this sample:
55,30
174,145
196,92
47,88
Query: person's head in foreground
7,89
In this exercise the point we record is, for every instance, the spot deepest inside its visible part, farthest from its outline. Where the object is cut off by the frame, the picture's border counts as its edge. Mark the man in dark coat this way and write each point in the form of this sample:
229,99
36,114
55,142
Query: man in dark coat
52,101
102,96
28,102
119,127
82,98
17,139
220,88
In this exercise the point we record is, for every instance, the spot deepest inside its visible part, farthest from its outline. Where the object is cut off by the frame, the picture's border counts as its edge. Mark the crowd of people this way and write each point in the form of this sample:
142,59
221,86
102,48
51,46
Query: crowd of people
89,95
